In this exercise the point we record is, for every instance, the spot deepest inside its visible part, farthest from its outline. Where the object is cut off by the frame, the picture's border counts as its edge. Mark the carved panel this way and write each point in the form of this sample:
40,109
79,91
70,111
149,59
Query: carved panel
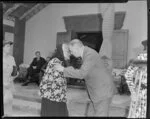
91,22
119,48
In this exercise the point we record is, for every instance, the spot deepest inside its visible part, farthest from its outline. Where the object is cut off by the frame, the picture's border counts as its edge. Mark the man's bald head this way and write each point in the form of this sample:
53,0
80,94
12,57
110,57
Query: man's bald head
76,47
76,42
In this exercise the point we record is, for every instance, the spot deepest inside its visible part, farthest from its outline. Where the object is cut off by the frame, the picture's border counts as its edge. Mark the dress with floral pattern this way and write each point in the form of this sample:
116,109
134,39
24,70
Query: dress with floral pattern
53,85
136,78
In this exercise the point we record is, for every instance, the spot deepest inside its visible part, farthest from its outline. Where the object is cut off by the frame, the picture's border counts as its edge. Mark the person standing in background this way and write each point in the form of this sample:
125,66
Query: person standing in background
34,69
48,58
43,69
136,78
8,86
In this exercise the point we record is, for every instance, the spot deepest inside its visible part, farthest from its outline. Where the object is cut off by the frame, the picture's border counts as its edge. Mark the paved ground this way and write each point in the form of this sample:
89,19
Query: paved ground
28,103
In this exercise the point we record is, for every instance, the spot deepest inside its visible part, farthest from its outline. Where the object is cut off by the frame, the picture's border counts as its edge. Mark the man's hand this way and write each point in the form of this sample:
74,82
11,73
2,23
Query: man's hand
59,67
43,70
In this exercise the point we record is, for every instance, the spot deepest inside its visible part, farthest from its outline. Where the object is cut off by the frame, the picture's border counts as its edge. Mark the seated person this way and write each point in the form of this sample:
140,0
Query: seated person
45,65
44,68
49,57
34,69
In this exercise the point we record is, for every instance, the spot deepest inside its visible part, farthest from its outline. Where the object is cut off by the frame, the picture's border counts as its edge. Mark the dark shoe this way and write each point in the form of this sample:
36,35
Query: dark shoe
26,83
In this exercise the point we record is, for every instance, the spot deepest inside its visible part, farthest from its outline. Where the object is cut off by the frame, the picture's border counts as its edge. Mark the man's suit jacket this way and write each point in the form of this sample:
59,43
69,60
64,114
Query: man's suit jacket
38,63
98,80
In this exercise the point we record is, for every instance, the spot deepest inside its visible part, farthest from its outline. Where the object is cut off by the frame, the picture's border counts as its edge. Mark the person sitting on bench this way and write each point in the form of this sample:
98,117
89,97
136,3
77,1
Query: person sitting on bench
44,68
34,69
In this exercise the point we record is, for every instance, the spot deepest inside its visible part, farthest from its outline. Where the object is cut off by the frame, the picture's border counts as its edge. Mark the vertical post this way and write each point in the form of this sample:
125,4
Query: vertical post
19,38
107,11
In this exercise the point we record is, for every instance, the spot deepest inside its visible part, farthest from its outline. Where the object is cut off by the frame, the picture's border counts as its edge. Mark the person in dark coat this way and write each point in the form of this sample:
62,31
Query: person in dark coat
34,69
44,68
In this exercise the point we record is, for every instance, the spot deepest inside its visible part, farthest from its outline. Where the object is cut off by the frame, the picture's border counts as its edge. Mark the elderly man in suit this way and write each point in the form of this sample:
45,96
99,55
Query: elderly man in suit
34,69
98,79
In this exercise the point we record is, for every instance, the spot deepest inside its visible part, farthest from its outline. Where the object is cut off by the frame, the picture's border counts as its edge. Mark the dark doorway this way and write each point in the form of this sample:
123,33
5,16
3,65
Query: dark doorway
91,39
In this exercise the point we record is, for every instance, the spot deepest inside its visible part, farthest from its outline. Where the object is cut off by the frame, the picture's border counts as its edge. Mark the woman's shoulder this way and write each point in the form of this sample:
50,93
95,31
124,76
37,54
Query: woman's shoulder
11,58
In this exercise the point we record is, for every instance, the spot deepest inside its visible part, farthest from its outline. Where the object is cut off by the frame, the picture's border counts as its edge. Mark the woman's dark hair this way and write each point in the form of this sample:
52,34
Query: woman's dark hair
75,62
58,53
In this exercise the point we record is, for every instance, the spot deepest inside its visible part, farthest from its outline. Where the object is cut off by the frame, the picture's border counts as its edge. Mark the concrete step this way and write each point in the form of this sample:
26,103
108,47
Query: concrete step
27,98
19,113
27,107
117,112
30,108
121,101
27,102
76,87
30,93
74,110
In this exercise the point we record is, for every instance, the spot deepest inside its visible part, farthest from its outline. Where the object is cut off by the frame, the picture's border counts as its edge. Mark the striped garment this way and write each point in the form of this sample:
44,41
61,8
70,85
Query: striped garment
136,78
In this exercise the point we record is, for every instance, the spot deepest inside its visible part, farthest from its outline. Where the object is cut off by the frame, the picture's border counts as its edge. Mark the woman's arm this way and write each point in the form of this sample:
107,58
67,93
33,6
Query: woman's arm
13,77
15,72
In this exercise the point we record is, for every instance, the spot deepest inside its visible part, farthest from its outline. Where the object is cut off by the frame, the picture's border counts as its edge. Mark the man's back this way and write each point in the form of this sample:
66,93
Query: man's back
99,81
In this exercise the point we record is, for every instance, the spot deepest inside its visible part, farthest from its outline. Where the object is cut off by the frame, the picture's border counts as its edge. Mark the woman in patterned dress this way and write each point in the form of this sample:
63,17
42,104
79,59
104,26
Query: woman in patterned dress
8,63
136,78
53,86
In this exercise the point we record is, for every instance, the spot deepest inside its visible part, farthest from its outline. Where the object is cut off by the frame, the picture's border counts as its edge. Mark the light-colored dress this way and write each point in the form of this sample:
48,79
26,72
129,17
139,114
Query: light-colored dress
8,86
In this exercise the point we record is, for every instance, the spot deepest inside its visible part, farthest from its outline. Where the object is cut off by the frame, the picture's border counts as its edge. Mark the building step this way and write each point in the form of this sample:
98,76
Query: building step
20,113
117,112
28,107
28,102
23,97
